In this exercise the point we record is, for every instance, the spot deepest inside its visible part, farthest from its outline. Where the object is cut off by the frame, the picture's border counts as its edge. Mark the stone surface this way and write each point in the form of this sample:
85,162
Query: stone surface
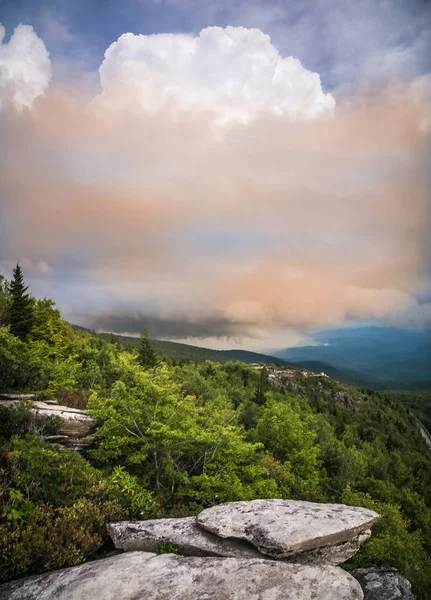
145,576
185,533
288,529
76,425
383,584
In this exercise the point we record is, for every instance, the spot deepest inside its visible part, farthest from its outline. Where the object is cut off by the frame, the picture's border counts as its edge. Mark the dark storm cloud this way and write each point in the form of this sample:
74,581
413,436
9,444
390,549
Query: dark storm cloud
166,328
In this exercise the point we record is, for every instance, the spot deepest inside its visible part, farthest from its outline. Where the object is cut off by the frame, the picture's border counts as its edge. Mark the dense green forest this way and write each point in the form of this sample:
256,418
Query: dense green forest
174,436
419,401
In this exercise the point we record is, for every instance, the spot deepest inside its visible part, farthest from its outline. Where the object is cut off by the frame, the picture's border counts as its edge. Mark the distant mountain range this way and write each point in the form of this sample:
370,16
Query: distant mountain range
378,357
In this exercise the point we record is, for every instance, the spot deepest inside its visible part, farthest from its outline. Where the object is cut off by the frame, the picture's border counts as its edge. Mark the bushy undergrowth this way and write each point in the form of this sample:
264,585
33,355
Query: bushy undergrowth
54,506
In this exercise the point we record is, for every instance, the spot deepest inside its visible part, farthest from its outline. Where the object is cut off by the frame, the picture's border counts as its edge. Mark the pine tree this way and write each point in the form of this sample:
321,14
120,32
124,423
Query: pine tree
147,356
21,306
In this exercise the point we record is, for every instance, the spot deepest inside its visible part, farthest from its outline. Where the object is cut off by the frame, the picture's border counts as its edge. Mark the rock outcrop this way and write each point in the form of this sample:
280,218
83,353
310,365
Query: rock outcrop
291,529
383,584
146,576
258,550
76,425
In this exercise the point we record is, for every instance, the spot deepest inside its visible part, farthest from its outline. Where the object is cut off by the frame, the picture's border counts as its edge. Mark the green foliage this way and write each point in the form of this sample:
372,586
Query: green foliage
167,547
419,401
19,420
54,506
181,447
18,508
131,494
286,430
20,314
13,361
51,538
147,356
45,474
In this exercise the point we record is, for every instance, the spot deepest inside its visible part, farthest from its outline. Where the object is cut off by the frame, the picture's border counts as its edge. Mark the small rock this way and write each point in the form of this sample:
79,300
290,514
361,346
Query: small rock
293,529
383,584
145,576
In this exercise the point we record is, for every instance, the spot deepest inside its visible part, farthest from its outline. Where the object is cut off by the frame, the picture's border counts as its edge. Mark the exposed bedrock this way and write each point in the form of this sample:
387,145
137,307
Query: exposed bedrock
146,576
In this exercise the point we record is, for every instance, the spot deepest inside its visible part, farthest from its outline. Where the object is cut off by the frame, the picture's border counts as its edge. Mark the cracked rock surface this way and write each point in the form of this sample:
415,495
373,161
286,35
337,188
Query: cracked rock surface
287,529
145,576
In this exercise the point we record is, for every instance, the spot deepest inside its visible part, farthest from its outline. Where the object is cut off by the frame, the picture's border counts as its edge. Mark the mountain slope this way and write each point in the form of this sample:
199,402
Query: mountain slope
188,352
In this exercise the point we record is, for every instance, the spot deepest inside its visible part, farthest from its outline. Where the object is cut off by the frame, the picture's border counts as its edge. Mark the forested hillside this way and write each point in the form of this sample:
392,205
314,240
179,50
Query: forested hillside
175,436
177,351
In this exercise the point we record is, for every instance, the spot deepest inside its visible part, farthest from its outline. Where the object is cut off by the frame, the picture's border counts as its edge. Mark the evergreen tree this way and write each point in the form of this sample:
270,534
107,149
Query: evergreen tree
21,306
147,356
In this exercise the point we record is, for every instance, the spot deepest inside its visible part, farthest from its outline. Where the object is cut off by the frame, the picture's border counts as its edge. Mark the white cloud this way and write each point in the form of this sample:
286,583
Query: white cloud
235,72
25,67
345,41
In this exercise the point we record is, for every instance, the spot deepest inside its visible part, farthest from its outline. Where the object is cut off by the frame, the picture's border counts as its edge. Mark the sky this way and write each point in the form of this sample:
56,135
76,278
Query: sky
227,174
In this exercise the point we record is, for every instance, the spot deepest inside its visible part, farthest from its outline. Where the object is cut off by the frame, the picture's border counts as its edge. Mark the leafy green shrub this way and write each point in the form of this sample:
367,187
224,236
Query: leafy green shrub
132,496
54,506
18,419
52,538
44,473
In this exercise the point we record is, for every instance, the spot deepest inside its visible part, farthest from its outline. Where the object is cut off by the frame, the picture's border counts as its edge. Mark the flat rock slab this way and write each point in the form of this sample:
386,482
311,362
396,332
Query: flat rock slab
185,533
285,529
145,576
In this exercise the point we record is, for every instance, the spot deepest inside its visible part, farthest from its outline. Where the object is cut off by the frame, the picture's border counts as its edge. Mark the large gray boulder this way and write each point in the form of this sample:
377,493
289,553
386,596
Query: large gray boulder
383,584
292,529
145,576
191,539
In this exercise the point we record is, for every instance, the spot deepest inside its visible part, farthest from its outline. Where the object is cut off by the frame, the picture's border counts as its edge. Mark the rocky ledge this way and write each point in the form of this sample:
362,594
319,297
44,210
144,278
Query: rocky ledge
258,550
146,576
295,531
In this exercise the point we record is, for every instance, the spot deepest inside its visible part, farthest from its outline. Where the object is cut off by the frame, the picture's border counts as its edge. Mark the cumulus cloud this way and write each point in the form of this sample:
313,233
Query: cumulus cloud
274,224
25,67
343,40
235,72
